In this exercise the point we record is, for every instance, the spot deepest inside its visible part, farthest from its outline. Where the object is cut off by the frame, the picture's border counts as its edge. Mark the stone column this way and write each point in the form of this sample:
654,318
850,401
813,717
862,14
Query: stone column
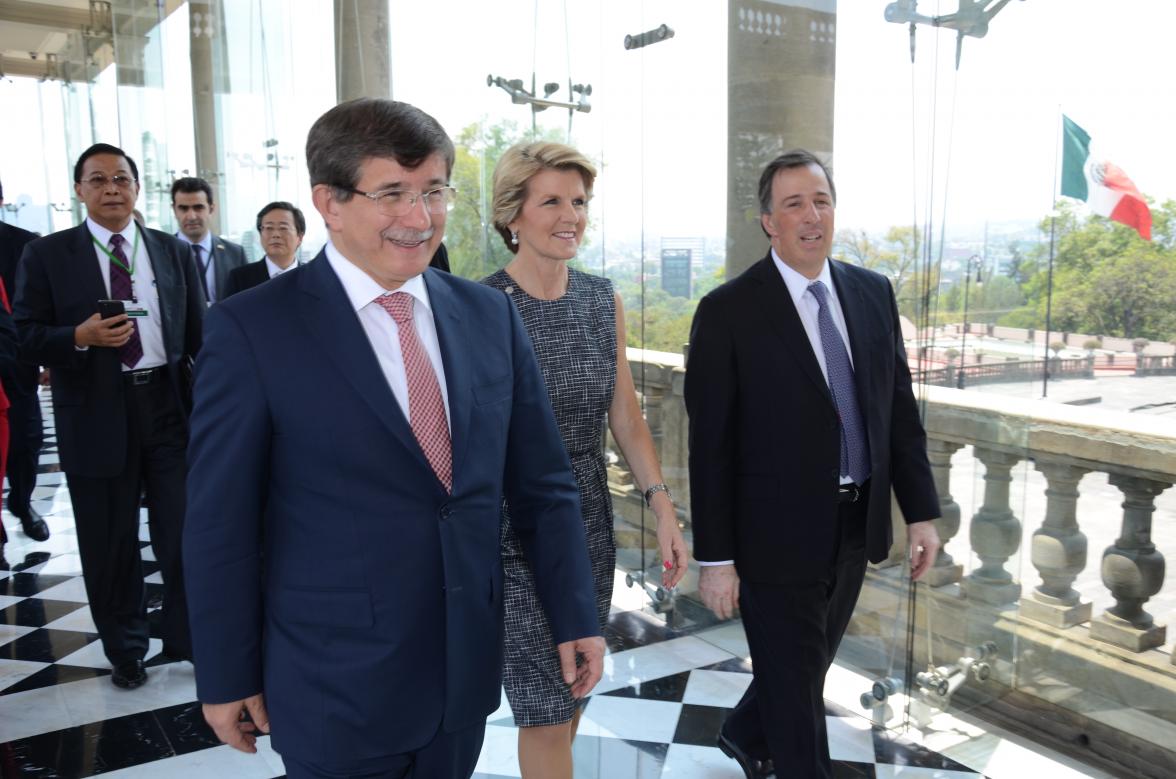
1058,552
946,570
363,49
995,533
210,77
780,64
1132,570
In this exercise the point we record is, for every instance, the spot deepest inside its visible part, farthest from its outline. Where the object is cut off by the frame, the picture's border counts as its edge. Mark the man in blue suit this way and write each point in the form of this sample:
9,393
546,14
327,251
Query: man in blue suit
357,423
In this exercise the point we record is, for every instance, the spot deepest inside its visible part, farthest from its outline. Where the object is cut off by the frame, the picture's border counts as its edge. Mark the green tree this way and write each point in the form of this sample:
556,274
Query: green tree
1107,280
475,247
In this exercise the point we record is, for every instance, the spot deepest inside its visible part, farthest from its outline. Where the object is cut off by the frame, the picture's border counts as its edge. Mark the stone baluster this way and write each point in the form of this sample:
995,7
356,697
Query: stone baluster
995,533
1132,570
946,570
1058,551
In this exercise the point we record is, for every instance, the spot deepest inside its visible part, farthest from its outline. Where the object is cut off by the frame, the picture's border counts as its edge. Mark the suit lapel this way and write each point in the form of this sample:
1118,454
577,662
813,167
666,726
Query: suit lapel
455,356
325,308
853,307
220,261
90,273
776,304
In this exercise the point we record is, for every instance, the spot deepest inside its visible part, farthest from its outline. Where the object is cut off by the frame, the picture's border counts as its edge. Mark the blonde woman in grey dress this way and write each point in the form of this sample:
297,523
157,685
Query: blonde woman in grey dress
577,325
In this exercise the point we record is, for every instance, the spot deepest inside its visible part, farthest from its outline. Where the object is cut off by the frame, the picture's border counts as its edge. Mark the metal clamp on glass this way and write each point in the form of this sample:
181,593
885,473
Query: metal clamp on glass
653,490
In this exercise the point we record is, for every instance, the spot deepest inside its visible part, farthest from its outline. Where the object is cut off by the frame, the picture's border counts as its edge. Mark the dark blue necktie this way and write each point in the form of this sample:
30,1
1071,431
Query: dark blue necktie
202,266
855,447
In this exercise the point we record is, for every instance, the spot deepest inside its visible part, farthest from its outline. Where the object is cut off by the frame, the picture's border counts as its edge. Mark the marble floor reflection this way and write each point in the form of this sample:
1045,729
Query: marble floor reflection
668,684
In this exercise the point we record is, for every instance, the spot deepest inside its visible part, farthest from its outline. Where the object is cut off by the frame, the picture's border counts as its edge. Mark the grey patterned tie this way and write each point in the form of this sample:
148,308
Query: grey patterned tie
855,447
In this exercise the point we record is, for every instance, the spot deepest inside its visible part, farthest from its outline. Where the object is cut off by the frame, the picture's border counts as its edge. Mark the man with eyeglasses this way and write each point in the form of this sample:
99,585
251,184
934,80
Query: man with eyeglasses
357,423
115,311
216,258
280,227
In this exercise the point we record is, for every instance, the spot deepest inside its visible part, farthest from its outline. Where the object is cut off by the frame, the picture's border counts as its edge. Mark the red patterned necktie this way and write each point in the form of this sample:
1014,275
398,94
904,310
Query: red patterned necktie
426,409
120,289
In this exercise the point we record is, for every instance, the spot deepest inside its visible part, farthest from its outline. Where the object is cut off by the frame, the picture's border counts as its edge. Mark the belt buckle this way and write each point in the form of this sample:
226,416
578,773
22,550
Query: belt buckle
853,491
139,378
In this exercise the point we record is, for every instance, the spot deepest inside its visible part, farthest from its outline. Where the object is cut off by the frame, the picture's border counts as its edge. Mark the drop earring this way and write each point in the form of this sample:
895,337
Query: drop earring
514,237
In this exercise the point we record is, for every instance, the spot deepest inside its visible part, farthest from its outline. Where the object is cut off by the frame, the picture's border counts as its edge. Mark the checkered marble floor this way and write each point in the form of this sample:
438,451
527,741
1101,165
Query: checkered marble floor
667,686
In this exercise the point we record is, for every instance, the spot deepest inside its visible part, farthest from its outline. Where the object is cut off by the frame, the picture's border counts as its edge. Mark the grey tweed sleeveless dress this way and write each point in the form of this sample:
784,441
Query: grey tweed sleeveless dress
575,339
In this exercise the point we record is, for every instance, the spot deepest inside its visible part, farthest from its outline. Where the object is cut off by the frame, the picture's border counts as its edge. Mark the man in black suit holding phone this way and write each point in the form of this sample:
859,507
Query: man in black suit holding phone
121,395
802,419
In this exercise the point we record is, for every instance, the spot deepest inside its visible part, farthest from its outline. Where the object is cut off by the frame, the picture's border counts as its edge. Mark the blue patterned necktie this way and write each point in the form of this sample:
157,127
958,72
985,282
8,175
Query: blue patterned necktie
855,447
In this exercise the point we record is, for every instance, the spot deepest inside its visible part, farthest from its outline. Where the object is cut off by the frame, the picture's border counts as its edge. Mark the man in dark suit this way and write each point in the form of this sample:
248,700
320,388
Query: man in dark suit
120,395
357,422
215,257
802,419
280,226
21,381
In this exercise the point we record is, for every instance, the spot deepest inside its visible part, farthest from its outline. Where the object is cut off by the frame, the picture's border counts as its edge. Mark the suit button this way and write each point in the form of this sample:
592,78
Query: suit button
835,473
445,512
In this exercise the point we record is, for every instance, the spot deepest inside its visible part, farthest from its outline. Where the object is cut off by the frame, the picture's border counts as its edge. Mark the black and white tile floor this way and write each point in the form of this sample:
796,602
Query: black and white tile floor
655,714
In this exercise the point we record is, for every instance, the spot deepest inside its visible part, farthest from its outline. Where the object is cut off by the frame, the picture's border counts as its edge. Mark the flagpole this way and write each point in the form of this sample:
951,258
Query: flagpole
1049,277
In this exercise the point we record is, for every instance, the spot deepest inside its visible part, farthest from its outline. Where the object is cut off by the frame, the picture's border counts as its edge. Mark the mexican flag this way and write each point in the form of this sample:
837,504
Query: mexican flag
1103,185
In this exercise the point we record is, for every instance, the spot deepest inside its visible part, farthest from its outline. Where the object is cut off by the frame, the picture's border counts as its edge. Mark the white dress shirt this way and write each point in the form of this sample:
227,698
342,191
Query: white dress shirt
807,306
205,264
382,331
143,283
277,270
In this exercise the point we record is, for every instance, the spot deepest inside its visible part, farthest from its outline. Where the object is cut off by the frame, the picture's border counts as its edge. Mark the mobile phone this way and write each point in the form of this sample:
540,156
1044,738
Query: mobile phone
110,308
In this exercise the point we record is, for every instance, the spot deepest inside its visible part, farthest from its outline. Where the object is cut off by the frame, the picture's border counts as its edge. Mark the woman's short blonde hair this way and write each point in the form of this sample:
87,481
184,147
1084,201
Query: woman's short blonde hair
516,168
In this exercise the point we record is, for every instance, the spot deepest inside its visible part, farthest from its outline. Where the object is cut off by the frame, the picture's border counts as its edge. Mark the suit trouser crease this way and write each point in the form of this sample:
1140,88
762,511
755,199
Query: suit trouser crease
793,632
106,512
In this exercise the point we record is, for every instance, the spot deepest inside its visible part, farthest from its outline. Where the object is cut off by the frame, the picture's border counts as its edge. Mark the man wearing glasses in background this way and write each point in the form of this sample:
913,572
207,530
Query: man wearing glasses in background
120,395
357,423
280,227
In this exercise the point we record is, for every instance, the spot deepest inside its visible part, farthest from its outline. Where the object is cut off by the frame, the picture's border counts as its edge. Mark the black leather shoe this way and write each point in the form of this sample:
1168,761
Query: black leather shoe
752,768
35,529
129,675
174,655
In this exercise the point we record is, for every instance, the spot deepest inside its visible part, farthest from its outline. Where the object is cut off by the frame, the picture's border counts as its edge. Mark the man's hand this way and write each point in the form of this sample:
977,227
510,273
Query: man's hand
719,587
97,331
924,545
584,677
226,720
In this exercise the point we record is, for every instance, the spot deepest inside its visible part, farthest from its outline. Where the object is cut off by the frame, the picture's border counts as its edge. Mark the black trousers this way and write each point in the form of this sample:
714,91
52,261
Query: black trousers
106,514
793,631
447,756
26,437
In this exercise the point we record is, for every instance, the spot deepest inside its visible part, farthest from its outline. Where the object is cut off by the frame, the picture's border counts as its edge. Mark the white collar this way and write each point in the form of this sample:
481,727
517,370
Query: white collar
797,282
362,289
103,235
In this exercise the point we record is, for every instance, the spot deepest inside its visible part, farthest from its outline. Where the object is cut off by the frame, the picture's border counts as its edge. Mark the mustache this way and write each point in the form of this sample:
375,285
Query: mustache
407,236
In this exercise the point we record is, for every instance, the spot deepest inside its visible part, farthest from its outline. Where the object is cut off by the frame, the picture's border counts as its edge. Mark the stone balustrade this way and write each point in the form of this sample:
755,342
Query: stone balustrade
1063,443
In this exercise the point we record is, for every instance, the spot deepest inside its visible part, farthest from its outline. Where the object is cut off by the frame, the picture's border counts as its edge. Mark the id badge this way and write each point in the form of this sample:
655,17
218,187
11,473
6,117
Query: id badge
135,310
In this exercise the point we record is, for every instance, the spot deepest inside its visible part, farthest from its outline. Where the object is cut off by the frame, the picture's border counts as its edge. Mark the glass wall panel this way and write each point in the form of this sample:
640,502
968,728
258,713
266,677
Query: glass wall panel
1040,334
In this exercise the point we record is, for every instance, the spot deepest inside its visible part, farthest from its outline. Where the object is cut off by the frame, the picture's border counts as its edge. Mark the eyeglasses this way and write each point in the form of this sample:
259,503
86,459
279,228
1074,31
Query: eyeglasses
398,202
98,181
